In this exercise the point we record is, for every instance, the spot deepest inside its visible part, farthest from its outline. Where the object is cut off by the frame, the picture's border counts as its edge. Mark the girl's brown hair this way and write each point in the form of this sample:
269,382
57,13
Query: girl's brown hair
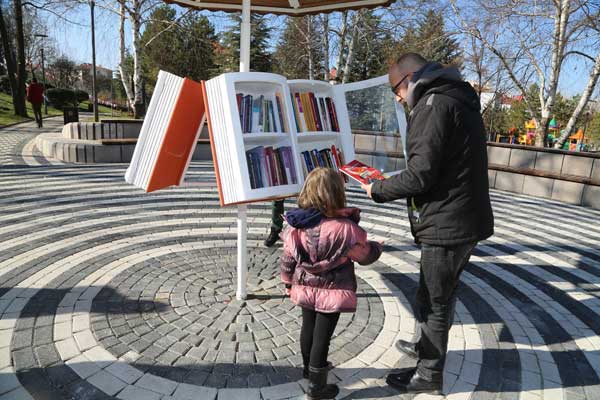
323,190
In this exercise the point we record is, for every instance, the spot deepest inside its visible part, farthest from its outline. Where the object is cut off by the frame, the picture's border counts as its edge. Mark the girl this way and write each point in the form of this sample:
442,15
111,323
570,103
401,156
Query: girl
319,247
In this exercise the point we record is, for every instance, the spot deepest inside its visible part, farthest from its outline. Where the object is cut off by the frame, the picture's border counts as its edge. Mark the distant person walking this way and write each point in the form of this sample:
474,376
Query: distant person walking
35,95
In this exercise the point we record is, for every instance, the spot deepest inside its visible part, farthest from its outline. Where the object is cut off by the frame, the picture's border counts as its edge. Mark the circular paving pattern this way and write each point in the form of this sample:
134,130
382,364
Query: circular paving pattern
179,314
107,292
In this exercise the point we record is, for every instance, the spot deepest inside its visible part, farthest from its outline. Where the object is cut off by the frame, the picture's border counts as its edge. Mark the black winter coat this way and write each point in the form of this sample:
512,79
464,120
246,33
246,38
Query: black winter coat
446,179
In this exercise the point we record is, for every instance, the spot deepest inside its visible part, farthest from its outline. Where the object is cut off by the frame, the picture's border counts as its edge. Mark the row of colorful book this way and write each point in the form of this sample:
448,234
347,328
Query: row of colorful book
271,167
327,158
313,113
259,114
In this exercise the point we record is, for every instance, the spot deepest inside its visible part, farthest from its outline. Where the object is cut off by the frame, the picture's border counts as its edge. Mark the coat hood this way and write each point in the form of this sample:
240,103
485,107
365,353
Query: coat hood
302,218
435,78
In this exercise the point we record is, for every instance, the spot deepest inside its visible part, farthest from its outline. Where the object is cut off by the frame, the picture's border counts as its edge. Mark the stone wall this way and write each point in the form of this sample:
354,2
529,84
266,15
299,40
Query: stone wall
572,177
108,141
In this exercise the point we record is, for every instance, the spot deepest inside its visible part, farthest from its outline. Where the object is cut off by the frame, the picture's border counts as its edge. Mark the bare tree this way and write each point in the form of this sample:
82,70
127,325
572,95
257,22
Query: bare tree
522,29
592,23
11,68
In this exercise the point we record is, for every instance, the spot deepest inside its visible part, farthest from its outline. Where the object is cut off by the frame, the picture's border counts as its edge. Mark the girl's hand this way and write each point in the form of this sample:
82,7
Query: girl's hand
288,291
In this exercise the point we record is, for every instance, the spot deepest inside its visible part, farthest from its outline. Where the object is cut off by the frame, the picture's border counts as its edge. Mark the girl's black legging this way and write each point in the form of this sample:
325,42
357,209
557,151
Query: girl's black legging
315,336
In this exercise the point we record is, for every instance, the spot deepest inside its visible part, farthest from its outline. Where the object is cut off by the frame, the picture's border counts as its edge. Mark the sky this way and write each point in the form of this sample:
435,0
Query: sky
74,39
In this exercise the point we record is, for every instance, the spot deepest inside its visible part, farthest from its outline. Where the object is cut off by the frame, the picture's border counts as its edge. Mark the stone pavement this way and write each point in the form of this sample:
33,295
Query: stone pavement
108,292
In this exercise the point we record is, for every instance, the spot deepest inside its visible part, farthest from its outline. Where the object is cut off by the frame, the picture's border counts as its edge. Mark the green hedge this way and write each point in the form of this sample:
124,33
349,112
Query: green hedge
60,98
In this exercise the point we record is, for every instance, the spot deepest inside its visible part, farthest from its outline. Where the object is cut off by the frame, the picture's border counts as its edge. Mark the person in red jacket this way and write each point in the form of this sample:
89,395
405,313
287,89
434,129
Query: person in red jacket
35,95
320,246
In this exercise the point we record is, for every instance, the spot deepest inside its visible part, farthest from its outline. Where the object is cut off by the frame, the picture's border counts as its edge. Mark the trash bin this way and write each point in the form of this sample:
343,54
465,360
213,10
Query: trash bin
70,114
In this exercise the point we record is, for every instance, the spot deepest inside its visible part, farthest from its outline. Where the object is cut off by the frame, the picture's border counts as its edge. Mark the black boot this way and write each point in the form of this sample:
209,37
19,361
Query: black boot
406,383
305,370
408,348
318,389
273,237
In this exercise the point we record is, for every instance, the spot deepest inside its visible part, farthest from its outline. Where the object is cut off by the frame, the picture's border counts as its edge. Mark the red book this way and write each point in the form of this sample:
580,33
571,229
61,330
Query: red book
362,173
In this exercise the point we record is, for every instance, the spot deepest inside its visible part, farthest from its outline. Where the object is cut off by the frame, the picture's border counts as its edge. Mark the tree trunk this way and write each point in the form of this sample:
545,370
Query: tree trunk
561,19
582,103
326,46
309,48
124,76
10,63
342,43
21,108
355,22
138,102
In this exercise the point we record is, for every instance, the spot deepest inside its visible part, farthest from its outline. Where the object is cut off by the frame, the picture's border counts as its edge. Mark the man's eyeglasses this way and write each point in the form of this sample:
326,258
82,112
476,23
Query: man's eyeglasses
397,85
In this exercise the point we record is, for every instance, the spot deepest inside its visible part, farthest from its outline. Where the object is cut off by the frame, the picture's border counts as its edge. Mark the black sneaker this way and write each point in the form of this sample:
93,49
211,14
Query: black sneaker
408,348
272,238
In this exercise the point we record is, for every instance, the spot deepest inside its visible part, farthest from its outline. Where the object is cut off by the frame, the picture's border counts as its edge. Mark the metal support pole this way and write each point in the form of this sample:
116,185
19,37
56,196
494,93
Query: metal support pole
242,225
94,92
41,35
44,81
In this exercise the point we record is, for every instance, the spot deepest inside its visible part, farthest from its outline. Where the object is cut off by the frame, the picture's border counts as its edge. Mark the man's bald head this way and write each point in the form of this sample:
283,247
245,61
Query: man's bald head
408,62
401,71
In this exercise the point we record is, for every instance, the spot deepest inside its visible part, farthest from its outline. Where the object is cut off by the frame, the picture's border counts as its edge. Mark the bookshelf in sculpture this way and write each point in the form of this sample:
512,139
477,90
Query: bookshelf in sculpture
266,132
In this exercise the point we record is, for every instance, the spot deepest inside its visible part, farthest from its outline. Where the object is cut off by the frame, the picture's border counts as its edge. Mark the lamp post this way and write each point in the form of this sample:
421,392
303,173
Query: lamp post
43,70
94,92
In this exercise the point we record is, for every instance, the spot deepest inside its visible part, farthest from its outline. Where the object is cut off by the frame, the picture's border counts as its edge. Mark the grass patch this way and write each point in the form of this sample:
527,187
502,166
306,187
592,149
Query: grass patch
7,114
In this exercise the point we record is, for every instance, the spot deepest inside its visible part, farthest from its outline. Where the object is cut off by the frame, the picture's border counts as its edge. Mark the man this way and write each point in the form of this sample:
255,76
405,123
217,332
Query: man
446,187
277,210
35,95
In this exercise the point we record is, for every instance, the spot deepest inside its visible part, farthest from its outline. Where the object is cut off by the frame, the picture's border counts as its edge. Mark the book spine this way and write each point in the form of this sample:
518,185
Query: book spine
272,113
295,110
308,112
325,158
238,98
334,115
273,166
301,115
315,110
282,124
282,170
308,160
326,126
292,164
263,167
268,166
250,169
260,124
304,163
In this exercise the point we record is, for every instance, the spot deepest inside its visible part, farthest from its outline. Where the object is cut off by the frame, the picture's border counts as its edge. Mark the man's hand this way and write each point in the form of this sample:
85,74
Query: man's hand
367,188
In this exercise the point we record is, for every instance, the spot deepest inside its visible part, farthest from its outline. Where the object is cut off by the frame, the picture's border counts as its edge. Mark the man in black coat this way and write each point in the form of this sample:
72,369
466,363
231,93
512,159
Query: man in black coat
446,186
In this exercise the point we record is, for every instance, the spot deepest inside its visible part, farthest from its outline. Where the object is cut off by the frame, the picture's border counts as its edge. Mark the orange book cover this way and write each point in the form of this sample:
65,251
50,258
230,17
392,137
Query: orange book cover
362,173
180,137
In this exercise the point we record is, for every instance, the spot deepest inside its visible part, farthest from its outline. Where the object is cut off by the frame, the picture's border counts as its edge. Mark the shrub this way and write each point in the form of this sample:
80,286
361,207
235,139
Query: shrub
4,84
60,98
82,96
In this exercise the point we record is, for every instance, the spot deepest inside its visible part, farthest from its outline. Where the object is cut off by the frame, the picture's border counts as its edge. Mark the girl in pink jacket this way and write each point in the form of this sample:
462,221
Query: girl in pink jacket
317,266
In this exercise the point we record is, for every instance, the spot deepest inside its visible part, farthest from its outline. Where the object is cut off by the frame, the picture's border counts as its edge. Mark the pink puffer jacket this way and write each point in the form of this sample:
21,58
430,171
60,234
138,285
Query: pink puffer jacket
318,259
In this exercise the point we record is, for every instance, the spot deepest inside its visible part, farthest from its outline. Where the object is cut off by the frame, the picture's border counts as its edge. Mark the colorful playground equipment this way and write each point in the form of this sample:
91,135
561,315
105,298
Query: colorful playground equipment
577,141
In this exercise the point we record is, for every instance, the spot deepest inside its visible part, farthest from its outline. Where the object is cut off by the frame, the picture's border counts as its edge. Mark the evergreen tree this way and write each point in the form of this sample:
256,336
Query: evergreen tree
371,49
299,48
184,47
430,39
228,59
